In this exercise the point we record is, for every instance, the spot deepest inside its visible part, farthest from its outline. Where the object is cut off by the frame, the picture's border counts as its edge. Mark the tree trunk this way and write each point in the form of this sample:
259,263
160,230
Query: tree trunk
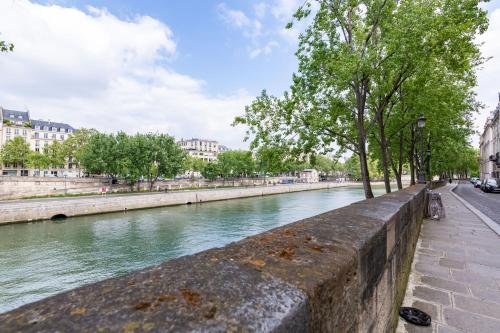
411,156
360,124
384,153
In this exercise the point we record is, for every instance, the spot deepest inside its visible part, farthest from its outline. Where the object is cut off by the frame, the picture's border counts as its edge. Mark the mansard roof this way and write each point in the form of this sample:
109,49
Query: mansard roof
17,116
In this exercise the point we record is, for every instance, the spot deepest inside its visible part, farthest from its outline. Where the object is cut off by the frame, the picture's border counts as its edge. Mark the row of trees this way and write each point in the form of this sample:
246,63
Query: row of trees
367,70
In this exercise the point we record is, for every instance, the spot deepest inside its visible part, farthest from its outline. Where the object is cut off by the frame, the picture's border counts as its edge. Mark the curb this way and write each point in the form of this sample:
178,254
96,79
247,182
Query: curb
489,222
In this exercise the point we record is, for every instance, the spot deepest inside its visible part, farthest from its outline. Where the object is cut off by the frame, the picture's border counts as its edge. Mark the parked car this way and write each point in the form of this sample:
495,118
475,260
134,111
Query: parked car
473,180
492,185
483,182
477,183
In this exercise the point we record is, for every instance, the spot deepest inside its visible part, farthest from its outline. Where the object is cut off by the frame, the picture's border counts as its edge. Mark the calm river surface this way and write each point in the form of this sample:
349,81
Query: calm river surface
44,258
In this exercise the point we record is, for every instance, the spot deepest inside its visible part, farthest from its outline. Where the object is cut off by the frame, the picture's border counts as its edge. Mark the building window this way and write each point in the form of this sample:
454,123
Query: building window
37,143
25,132
62,136
45,135
36,135
54,136
37,149
16,131
37,127
45,128
7,130
7,138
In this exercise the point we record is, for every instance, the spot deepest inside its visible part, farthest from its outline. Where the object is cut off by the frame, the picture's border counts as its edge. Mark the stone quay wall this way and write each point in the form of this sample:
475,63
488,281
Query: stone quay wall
342,271
25,187
43,209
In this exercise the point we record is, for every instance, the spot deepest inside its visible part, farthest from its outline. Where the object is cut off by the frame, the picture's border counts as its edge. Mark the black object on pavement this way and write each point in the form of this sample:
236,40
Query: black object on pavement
415,316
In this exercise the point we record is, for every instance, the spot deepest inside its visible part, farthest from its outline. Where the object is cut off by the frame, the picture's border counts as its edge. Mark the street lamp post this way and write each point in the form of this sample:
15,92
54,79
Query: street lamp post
421,124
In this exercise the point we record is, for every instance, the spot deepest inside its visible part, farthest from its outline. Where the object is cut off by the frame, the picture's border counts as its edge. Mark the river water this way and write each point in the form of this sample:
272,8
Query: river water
45,258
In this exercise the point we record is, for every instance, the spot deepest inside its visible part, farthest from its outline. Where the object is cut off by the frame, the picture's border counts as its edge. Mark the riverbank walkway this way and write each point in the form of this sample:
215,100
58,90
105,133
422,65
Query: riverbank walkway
455,273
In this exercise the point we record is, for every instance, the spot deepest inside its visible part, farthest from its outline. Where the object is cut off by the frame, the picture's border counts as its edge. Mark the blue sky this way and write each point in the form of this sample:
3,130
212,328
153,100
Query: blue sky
213,49
184,67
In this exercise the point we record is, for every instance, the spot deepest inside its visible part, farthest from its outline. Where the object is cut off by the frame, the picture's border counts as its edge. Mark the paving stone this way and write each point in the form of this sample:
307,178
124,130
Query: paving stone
451,263
469,322
432,295
462,291
486,294
433,270
446,329
410,328
450,285
477,306
430,252
484,270
474,279
430,309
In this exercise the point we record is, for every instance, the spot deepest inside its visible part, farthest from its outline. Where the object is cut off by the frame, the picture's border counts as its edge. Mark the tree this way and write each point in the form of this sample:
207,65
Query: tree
6,47
104,154
75,144
236,163
354,58
211,171
38,161
271,160
194,164
15,152
168,158
56,154
352,167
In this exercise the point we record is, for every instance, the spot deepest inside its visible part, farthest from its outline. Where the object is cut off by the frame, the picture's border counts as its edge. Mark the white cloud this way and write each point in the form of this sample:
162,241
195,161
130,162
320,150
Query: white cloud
260,10
233,17
92,69
283,10
266,50
488,82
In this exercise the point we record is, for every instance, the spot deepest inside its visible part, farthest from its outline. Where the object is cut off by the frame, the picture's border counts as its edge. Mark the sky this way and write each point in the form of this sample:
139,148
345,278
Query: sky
185,68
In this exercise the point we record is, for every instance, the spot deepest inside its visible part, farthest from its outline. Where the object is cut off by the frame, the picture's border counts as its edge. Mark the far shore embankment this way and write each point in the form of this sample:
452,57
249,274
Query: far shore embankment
27,210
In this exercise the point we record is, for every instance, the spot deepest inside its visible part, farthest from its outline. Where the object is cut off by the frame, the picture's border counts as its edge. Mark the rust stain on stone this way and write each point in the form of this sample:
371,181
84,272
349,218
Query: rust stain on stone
142,305
259,263
317,248
192,297
287,253
78,311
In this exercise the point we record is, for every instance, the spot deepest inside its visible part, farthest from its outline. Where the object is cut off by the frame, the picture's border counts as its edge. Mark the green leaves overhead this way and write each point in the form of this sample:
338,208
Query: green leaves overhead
366,70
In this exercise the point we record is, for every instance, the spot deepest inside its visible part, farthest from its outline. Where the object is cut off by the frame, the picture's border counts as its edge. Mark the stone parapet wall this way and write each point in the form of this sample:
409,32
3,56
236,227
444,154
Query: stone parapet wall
42,209
341,271
25,187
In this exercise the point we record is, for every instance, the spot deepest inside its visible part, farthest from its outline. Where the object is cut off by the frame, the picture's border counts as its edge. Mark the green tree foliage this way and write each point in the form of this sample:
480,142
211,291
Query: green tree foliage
148,156
38,161
16,151
211,171
6,47
56,154
352,168
75,143
355,60
194,164
236,163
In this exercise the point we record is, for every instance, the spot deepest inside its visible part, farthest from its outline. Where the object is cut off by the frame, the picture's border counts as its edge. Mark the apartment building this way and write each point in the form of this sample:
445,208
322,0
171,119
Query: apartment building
489,145
37,133
200,148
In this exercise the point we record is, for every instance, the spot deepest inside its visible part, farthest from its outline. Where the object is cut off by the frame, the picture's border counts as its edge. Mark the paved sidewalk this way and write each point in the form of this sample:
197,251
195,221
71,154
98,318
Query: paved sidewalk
455,273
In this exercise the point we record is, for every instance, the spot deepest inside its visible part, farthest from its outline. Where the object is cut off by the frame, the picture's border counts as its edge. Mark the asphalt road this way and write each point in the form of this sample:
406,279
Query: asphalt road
487,203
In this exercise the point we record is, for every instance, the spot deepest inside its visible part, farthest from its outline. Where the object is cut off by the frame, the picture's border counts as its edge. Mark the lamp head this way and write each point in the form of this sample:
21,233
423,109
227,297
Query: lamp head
421,121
